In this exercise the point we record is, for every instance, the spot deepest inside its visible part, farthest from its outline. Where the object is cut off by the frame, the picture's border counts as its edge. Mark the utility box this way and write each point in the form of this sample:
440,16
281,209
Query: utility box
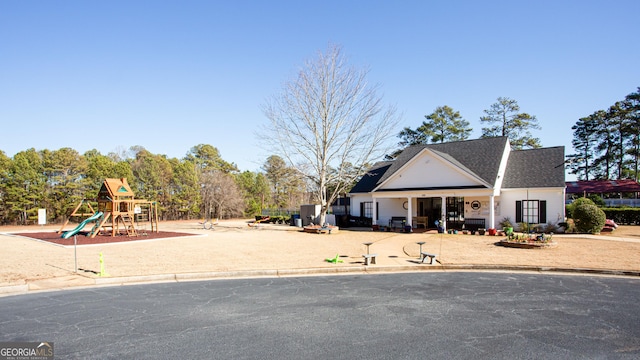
330,219
310,214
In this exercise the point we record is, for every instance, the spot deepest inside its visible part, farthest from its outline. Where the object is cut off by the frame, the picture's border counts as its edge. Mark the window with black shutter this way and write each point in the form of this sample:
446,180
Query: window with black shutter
366,209
531,211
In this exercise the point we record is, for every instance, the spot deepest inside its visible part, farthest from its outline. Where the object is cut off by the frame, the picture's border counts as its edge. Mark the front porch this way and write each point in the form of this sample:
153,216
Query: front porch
424,213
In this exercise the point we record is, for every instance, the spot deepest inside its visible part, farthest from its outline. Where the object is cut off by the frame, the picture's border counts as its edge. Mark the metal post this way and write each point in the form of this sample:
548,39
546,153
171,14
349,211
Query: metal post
75,251
367,245
420,243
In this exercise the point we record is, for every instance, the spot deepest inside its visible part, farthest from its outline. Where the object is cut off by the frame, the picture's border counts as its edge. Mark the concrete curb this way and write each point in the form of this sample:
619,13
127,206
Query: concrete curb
134,279
340,270
225,275
14,289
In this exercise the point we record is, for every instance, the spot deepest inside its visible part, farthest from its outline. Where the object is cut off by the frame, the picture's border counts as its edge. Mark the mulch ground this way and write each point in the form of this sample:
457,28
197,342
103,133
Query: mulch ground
53,237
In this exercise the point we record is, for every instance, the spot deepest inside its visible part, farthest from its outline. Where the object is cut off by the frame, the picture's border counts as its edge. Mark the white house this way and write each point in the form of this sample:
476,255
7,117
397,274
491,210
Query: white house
473,183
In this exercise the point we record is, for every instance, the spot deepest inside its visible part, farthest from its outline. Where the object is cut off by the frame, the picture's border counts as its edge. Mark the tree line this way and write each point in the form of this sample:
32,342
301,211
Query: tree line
200,185
607,142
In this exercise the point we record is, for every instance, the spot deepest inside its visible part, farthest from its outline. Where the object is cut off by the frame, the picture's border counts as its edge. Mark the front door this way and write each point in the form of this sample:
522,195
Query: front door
455,212
431,208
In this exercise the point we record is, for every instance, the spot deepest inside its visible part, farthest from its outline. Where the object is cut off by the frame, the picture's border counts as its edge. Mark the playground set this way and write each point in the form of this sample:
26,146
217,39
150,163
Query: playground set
118,212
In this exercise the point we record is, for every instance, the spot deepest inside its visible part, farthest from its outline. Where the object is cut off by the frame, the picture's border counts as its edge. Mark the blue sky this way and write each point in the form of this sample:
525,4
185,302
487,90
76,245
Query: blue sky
169,75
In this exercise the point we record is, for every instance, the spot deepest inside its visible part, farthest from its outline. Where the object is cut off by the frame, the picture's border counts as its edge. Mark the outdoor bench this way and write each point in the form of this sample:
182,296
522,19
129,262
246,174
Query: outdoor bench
426,256
397,222
473,224
369,258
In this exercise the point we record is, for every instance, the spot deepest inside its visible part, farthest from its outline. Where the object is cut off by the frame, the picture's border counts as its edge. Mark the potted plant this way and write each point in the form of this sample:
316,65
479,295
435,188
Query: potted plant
439,226
507,226
481,231
491,231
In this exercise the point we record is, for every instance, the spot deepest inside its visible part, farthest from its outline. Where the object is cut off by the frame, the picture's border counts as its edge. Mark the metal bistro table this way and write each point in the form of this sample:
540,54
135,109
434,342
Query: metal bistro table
367,244
420,253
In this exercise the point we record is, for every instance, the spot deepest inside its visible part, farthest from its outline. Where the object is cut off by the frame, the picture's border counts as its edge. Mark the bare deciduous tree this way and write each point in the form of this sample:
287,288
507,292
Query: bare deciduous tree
220,195
329,124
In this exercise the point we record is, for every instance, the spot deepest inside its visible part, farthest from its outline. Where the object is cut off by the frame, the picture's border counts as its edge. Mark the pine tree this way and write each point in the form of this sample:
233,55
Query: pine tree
504,119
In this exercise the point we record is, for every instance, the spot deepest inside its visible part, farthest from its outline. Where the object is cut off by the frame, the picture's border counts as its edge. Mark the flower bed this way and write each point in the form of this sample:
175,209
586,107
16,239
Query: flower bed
528,241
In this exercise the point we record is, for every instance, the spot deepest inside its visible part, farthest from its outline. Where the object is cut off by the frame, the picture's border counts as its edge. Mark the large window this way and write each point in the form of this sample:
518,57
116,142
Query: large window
366,209
531,211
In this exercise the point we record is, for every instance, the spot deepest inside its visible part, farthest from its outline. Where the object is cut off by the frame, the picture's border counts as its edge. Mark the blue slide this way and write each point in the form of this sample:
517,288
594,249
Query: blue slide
70,233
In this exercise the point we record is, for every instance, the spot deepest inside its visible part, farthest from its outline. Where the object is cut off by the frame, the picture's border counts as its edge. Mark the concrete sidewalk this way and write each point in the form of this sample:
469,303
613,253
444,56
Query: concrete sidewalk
233,250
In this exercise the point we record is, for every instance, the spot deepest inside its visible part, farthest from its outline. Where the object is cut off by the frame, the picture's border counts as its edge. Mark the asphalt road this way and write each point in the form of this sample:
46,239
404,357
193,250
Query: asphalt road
387,316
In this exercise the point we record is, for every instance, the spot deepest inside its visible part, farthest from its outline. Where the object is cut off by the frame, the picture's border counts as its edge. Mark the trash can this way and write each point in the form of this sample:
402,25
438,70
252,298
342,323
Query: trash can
296,220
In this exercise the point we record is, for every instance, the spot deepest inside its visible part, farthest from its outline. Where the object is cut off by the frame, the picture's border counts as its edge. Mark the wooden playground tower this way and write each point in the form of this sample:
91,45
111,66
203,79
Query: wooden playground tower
120,210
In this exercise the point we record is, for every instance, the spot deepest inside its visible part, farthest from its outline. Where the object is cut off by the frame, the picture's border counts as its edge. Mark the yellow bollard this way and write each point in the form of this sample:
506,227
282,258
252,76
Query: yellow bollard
102,272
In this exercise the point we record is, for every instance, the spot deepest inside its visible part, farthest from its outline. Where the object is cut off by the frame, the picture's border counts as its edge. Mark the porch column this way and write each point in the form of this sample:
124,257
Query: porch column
374,211
492,212
409,212
443,214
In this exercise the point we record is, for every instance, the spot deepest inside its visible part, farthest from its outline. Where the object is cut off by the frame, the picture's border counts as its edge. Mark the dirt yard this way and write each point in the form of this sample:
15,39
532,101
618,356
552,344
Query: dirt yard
234,246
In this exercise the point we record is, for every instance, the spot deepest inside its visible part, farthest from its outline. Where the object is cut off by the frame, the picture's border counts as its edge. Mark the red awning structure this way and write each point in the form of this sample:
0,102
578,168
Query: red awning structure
603,186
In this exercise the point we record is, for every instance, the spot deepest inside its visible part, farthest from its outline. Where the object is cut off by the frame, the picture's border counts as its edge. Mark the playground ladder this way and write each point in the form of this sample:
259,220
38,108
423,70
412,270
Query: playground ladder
129,225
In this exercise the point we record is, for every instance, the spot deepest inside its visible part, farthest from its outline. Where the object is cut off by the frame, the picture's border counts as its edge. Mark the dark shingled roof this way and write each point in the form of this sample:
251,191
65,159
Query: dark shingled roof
480,157
602,186
371,178
542,167
532,168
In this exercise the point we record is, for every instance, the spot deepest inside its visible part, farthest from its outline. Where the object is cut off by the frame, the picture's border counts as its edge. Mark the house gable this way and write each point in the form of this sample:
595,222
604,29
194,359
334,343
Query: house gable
430,169
475,163
481,157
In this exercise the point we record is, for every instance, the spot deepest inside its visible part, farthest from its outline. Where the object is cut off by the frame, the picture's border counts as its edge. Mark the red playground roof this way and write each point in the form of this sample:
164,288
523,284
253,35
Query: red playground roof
602,186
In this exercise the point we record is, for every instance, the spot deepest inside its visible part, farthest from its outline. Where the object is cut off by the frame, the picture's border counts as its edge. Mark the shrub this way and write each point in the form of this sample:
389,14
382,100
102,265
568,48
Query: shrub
582,201
569,226
597,200
524,227
550,228
577,202
588,218
626,216
279,219
506,223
